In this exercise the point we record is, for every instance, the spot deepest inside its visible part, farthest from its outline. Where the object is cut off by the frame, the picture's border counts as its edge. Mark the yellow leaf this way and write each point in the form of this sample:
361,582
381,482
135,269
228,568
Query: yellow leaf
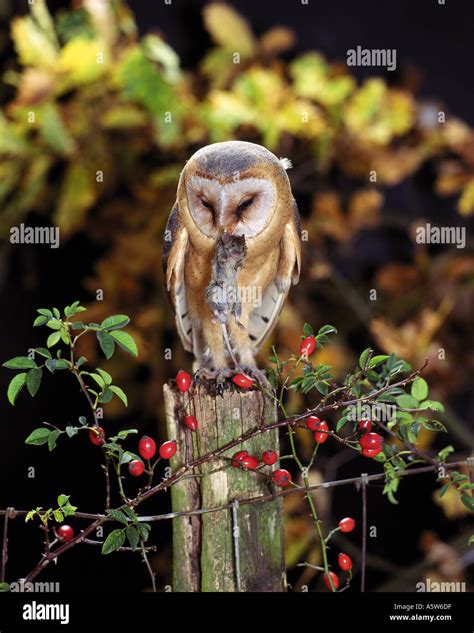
466,201
277,40
32,44
228,29
80,61
77,194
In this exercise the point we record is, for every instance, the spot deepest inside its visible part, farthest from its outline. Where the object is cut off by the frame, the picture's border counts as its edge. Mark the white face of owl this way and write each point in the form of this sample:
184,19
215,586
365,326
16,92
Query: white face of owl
243,207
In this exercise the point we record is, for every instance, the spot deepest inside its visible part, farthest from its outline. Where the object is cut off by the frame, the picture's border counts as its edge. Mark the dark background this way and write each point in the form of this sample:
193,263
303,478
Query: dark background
435,46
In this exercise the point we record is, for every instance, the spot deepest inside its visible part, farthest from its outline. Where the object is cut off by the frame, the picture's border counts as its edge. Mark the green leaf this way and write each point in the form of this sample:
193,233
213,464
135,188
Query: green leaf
471,540
144,529
62,500
468,502
106,343
56,313
419,389
444,452
106,396
38,436
42,351
308,330
432,404
106,376
58,516
434,425
81,361
364,357
20,362
327,329
341,423
126,432
120,393
133,536
130,512
377,360
45,312
33,380
71,431
15,387
125,341
51,364
114,540
118,516
115,322
98,379
442,491
40,320
127,456
53,436
4,586
54,324
82,420
53,339
405,401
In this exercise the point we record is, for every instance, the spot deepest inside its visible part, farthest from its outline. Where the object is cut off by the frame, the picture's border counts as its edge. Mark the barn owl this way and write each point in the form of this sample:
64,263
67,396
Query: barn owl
242,189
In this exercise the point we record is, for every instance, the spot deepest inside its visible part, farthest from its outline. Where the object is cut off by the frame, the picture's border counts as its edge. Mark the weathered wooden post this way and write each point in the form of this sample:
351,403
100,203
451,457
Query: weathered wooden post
236,549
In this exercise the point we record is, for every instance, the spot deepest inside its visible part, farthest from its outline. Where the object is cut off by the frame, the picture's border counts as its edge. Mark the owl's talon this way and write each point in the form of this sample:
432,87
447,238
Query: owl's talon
217,375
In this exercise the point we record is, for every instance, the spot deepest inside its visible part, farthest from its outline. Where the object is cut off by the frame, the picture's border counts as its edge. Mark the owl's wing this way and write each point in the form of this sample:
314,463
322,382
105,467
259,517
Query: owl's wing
263,318
175,246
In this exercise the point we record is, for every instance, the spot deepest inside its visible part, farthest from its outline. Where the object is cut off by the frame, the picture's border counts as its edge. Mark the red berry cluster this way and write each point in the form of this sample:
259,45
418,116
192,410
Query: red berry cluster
371,443
343,560
183,382
147,450
242,459
320,428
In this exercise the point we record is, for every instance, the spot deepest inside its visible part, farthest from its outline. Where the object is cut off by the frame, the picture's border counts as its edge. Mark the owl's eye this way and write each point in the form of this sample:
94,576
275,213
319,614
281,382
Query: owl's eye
208,205
245,204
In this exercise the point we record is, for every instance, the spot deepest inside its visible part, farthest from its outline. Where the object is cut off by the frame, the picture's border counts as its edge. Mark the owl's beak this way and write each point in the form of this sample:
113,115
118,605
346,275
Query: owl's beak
231,228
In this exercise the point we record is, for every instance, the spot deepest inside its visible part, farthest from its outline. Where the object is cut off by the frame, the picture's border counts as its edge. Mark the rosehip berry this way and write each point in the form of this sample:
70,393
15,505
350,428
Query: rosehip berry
65,533
147,447
371,452
334,578
365,426
191,422
312,422
281,477
242,381
321,434
307,347
371,440
183,380
269,457
344,561
97,436
250,462
136,467
347,524
168,449
237,458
